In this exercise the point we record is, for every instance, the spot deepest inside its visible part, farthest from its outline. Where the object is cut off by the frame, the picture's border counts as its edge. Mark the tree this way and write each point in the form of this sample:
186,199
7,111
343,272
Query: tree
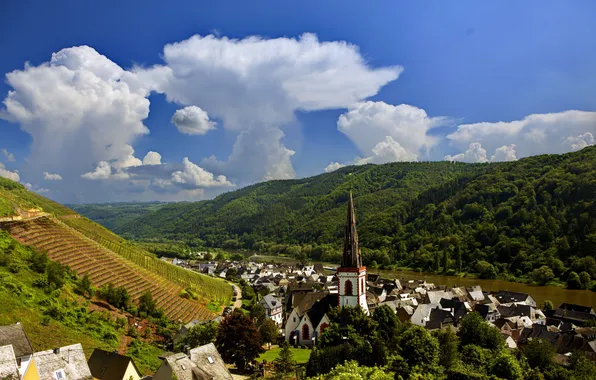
284,364
543,275
505,366
458,261
39,262
486,270
147,304
55,274
268,331
418,347
475,330
257,313
585,279
198,336
539,353
448,350
386,320
238,339
547,305
445,261
573,281
351,370
84,286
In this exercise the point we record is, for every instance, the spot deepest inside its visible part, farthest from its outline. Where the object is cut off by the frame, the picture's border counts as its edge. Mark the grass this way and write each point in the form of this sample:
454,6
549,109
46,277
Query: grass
301,355
214,307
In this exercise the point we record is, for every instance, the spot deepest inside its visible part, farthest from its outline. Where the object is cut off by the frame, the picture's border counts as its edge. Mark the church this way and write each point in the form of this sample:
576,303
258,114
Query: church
308,318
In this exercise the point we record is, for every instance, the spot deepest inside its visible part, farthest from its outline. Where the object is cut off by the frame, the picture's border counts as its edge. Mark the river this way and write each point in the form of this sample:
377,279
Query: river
555,294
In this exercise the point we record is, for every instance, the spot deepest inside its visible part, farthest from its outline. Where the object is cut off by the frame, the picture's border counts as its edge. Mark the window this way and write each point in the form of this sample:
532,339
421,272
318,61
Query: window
305,332
348,288
210,359
294,319
323,327
59,374
18,362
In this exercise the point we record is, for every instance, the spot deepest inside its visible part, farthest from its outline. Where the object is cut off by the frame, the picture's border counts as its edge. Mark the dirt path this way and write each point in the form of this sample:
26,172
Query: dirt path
238,303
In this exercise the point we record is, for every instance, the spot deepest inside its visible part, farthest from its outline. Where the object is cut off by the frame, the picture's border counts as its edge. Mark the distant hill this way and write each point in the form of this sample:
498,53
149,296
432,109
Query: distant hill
114,215
88,248
519,215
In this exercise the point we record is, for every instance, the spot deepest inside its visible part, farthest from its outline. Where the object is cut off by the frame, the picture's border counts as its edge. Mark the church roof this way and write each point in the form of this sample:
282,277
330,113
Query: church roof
351,257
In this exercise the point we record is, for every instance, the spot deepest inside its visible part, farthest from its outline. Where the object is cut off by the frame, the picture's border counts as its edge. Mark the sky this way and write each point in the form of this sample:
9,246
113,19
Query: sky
184,100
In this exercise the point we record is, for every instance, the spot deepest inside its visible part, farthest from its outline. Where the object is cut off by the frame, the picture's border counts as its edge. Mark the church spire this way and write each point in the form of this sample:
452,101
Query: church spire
351,257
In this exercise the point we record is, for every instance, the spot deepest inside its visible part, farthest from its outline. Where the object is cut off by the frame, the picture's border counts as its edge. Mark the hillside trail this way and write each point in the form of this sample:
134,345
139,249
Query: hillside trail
238,302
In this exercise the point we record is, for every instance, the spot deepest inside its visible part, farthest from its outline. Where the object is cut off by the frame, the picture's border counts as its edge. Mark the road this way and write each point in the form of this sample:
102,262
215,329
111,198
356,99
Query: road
238,302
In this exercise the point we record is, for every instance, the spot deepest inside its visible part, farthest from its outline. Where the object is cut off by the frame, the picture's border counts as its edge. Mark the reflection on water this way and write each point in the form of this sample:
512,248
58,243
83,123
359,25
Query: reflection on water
540,293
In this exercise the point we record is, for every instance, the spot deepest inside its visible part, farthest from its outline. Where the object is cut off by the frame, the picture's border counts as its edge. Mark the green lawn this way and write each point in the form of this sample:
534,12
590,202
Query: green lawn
301,355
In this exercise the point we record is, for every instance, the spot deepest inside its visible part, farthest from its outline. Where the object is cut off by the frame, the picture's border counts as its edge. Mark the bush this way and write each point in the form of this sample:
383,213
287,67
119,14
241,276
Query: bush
542,275
486,270
133,332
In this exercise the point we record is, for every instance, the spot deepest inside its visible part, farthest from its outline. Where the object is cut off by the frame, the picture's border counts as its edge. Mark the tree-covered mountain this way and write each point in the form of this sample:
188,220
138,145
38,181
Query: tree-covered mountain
114,215
518,215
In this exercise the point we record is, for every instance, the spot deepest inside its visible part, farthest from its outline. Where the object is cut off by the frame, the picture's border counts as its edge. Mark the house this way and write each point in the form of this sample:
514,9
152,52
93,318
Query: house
15,336
579,308
106,365
67,363
506,296
273,308
8,364
204,363
312,323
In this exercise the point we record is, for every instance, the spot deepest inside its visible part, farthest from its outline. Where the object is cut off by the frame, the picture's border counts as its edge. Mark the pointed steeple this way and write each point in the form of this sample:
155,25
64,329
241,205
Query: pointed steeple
351,257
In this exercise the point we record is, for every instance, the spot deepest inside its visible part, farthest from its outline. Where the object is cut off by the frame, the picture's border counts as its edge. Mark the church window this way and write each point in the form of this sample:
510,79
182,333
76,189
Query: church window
305,332
323,327
348,287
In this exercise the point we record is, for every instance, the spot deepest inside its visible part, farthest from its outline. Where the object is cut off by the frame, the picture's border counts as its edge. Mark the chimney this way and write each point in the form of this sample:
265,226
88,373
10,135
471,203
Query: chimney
56,350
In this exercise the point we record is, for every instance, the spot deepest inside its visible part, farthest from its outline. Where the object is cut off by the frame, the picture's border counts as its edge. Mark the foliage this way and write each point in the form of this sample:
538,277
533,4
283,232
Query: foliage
475,330
539,353
543,275
117,296
268,331
147,305
352,371
198,335
284,364
419,348
238,339
523,215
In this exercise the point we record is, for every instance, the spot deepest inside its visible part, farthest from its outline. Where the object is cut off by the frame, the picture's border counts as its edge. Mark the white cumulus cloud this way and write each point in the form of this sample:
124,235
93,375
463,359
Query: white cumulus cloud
194,176
333,166
37,189
192,120
255,85
504,153
152,158
52,177
369,124
474,153
535,134
102,171
9,157
580,142
12,175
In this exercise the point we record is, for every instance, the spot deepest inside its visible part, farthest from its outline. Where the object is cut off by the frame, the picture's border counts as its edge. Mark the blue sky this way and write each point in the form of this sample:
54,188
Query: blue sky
389,81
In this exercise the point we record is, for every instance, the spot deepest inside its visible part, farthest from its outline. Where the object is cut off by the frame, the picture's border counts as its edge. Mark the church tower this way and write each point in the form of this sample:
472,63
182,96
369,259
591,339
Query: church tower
352,274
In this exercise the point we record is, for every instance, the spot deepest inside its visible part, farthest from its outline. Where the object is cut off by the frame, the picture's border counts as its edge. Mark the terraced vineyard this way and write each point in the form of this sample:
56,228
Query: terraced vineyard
206,287
86,256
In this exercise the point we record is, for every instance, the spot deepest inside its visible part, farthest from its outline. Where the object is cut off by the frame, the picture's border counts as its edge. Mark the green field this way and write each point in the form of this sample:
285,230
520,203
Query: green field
301,355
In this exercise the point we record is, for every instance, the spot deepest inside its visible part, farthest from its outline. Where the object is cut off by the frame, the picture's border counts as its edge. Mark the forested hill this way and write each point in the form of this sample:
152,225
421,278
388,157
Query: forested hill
520,214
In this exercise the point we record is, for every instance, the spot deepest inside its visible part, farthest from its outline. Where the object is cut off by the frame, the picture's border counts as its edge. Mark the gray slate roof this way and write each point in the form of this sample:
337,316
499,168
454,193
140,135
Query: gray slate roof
8,363
210,363
15,335
71,359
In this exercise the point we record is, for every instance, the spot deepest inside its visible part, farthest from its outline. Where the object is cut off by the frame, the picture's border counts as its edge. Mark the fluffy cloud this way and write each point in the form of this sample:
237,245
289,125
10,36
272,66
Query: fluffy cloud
194,176
12,175
102,171
388,132
255,85
580,142
192,120
9,157
504,153
474,153
79,104
534,134
52,177
333,166
37,189
152,158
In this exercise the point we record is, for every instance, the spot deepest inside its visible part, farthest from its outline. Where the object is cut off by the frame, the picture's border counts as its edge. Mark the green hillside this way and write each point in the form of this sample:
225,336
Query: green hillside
114,215
518,215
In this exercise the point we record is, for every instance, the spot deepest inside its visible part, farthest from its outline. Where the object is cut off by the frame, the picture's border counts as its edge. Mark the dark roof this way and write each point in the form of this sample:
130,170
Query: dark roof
573,316
15,335
321,307
506,296
106,365
574,307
